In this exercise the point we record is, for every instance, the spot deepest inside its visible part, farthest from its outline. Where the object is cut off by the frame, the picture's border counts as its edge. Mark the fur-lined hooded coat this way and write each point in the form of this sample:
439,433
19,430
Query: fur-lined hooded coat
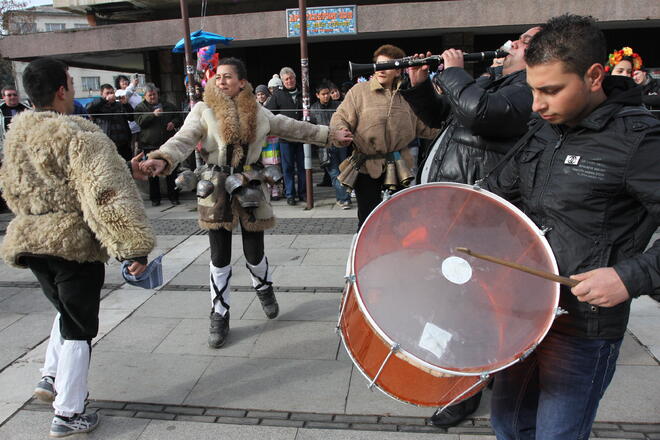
72,194
220,121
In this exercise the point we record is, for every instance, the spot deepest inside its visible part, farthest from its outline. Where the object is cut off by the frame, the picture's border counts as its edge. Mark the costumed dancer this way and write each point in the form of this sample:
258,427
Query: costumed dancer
232,128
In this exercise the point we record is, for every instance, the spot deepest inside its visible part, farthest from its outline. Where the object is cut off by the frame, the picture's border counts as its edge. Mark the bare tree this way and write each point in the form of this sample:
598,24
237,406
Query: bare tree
8,14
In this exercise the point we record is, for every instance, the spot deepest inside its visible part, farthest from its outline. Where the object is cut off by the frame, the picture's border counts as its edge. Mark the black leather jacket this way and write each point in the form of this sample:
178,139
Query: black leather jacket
484,118
597,187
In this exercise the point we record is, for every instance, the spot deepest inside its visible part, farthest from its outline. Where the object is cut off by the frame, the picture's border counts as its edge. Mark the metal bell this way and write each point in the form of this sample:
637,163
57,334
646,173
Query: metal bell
249,196
272,174
204,188
391,182
185,181
235,181
403,173
348,174
253,177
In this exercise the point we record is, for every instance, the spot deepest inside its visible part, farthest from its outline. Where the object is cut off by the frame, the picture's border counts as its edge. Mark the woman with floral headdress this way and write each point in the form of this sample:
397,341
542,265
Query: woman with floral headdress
623,62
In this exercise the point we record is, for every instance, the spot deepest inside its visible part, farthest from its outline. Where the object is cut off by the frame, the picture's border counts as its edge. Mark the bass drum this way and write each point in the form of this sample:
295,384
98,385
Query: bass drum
428,325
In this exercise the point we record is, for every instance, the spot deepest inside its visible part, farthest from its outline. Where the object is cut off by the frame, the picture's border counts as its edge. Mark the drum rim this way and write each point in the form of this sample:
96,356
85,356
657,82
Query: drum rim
401,351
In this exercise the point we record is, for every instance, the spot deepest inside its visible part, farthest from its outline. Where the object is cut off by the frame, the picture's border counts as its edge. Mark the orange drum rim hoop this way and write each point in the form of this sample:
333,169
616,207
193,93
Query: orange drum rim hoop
401,352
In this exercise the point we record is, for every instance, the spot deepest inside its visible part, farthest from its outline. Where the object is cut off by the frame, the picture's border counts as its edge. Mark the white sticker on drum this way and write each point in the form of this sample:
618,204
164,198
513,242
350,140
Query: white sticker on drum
434,339
457,270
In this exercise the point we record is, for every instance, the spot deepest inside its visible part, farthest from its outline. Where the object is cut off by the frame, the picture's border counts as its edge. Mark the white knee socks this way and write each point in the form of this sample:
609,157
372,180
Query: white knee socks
220,292
259,273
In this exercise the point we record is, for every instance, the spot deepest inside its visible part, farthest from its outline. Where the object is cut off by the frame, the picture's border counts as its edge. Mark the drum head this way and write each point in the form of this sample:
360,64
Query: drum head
447,309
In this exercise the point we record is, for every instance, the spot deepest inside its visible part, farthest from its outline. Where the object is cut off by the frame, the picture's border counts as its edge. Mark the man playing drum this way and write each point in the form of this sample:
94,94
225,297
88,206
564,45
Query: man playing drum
590,176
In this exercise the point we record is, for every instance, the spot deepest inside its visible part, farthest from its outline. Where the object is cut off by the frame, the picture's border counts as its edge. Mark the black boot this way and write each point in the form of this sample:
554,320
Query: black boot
269,302
218,330
455,414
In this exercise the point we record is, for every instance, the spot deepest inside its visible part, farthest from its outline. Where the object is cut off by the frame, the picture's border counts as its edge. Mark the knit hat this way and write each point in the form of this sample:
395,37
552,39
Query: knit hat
261,89
275,82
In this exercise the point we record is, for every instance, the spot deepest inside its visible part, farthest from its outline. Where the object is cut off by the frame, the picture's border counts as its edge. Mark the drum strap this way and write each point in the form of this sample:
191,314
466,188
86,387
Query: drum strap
512,152
220,292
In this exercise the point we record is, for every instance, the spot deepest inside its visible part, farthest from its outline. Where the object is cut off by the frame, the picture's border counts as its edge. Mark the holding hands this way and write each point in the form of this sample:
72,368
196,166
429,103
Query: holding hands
342,137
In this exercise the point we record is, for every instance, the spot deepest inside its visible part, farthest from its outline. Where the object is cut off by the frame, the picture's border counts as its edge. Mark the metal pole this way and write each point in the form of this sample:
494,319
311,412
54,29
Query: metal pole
304,74
190,68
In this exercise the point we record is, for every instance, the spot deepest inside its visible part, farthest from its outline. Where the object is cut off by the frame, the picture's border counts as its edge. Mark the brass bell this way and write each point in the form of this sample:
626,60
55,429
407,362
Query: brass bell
348,176
403,172
391,182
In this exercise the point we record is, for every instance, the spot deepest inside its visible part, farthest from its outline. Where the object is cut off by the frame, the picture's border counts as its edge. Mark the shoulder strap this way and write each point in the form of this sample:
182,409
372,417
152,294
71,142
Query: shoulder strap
517,147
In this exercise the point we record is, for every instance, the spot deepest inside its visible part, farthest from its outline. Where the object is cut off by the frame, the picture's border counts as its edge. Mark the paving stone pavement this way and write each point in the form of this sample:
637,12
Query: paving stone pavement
153,377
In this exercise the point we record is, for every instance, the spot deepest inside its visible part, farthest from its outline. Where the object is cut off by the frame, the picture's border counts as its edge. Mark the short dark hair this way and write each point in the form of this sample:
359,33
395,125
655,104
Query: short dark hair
42,78
389,51
239,66
119,78
575,40
6,89
106,86
325,84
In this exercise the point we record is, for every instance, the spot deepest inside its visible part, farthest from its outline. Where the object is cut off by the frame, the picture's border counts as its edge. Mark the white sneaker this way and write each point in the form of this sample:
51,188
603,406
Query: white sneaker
76,424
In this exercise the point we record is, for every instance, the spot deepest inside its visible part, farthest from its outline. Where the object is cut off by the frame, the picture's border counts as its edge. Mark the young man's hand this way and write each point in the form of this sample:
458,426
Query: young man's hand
136,268
600,287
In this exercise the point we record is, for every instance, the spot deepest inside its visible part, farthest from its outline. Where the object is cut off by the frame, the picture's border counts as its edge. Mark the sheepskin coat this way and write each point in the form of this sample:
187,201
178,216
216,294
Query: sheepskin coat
220,121
72,194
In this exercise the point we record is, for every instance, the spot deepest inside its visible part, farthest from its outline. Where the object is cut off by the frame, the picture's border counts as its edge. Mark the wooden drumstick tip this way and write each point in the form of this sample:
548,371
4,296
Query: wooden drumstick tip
464,250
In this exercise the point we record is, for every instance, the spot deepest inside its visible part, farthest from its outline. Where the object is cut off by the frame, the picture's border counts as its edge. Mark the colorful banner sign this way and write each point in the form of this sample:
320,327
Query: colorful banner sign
335,20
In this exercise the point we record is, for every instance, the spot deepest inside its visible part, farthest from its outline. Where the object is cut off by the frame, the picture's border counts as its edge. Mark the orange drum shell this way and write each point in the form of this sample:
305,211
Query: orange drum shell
400,378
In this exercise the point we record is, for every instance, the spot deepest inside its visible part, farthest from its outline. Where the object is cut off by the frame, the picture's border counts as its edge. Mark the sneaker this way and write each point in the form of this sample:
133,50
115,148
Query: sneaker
268,302
218,330
290,201
66,426
45,390
455,414
345,205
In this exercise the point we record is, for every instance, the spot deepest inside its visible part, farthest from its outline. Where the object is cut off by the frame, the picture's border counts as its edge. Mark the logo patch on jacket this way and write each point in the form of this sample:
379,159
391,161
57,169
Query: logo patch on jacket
572,160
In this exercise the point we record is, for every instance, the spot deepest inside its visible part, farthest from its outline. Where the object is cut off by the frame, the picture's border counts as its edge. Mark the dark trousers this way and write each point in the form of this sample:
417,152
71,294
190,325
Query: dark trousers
75,291
154,183
220,241
368,195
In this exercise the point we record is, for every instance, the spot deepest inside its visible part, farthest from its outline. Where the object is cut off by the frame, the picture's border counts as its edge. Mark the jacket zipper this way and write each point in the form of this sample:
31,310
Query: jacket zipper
549,172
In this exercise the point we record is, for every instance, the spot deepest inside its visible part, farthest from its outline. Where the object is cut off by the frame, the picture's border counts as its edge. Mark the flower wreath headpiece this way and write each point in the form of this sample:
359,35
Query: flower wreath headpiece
618,55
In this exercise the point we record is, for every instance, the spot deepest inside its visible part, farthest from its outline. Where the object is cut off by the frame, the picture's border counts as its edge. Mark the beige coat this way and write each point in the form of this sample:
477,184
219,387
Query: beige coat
381,122
220,121
71,192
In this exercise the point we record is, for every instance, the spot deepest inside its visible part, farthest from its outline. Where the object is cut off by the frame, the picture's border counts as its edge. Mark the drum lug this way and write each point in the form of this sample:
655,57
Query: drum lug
477,184
559,311
393,349
385,194
526,354
350,278
545,230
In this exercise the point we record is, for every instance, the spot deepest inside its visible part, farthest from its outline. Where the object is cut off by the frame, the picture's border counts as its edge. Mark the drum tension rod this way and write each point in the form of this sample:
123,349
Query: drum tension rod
393,349
483,377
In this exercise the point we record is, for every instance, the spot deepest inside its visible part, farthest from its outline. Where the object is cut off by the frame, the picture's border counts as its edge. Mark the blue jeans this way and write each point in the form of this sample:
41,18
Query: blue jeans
337,155
554,393
293,163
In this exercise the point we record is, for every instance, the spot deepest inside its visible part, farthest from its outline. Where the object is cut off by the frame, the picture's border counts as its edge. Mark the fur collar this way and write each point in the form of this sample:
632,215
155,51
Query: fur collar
237,117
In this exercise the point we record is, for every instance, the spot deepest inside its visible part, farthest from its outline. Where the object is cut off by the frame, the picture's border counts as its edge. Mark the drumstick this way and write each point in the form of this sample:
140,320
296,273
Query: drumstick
539,273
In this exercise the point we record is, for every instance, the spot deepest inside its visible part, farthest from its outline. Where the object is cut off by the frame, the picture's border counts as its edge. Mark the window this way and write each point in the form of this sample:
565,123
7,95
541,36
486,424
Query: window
24,28
91,82
80,26
55,27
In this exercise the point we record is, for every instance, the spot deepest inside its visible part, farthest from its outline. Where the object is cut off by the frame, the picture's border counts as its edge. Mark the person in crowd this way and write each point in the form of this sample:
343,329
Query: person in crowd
335,93
345,87
650,90
130,86
270,154
623,62
158,122
383,126
65,228
483,119
108,113
587,172
11,105
262,94
233,149
275,83
321,113
288,102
